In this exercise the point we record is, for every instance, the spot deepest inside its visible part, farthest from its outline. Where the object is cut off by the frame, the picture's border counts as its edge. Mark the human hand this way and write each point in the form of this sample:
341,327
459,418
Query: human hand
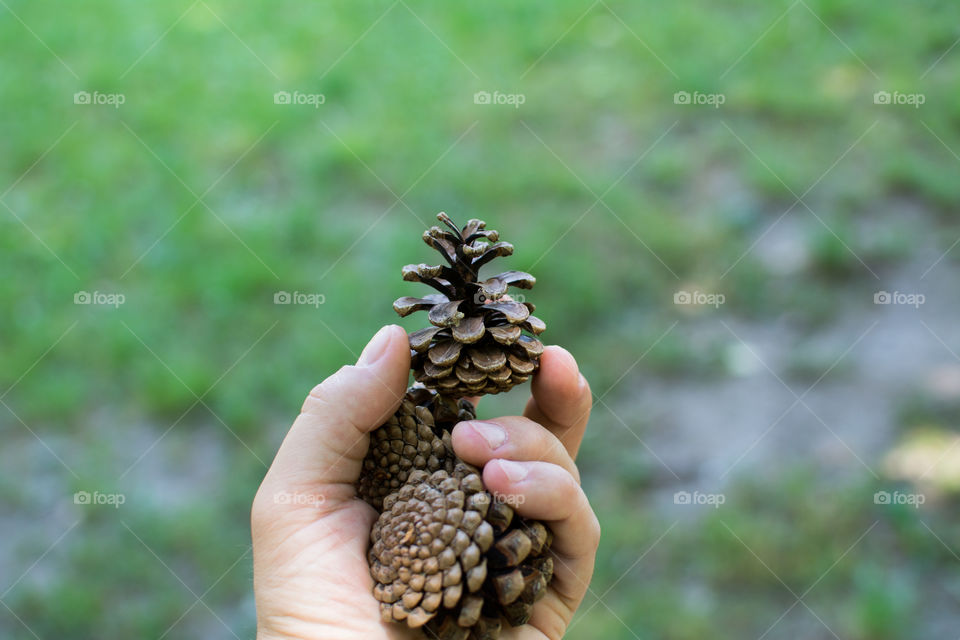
310,533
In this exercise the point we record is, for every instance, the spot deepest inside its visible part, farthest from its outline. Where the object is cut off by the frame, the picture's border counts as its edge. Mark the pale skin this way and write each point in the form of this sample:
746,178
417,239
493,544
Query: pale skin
310,532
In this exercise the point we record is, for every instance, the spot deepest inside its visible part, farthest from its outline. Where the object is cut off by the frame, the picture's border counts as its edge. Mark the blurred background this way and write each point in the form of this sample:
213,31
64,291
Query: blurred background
742,218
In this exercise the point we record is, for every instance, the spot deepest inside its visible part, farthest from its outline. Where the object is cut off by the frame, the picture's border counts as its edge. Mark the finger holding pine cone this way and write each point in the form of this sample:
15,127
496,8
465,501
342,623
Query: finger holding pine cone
446,555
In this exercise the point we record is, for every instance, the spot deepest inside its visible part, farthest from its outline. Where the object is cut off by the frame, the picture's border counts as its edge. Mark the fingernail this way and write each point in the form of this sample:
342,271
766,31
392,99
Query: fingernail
492,433
514,471
375,348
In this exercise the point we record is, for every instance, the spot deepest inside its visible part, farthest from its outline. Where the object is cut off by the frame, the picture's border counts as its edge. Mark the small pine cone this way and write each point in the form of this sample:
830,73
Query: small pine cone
481,340
446,555
416,437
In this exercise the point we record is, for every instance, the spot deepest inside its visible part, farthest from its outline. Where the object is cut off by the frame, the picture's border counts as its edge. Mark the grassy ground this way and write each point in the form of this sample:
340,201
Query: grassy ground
199,198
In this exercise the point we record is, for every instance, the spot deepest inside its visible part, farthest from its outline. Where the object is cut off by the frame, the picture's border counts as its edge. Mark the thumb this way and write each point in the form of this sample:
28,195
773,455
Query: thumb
327,442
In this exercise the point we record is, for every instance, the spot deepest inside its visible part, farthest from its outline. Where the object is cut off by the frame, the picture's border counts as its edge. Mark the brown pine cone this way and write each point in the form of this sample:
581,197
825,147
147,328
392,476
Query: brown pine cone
446,555
477,343
416,437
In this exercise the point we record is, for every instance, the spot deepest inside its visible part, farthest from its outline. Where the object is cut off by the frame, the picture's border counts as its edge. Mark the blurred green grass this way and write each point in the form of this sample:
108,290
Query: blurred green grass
303,199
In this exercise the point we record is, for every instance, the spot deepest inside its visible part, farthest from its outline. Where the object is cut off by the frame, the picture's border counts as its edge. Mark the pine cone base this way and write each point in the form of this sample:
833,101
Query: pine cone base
448,557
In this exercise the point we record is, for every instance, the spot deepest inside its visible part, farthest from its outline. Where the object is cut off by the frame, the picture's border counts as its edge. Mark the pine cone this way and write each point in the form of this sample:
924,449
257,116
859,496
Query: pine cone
447,555
416,437
476,344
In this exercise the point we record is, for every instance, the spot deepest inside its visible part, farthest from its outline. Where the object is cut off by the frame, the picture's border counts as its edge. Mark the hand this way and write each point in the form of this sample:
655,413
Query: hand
310,534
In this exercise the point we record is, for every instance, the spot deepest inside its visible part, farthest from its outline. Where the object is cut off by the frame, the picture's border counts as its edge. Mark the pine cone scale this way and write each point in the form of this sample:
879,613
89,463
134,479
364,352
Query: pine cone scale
469,330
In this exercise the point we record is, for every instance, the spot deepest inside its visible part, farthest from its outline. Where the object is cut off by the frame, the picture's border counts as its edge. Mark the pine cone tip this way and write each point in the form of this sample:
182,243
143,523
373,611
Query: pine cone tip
481,339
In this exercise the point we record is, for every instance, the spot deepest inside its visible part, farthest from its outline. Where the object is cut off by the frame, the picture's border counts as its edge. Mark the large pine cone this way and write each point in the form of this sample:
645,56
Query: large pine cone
445,554
477,343
416,437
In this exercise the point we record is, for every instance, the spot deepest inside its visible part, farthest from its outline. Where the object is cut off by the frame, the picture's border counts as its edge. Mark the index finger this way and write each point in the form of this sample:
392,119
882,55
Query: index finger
561,398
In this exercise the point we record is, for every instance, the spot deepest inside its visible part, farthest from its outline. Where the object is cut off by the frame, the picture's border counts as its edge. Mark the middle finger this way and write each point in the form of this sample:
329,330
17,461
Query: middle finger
510,438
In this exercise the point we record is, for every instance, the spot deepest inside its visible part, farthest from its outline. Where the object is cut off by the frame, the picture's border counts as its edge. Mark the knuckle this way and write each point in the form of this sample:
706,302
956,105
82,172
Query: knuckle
521,425
575,472
593,528
320,396
586,404
571,492
586,392
548,446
